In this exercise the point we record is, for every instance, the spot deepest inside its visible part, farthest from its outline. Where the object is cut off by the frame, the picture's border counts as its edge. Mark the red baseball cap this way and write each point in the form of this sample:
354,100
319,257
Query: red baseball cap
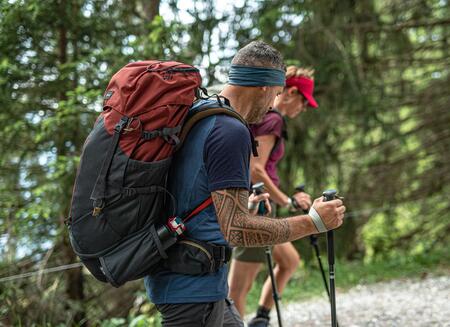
305,86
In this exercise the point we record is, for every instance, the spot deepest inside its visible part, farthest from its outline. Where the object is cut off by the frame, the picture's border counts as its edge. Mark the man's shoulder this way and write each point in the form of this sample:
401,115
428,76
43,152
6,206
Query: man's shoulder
223,123
228,122
229,130
224,126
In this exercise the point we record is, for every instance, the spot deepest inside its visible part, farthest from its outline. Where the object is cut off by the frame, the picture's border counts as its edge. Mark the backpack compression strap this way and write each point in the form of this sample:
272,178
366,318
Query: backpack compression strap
202,206
99,192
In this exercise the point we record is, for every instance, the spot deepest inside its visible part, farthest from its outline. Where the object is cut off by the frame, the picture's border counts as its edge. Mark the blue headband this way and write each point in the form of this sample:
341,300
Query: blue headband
256,76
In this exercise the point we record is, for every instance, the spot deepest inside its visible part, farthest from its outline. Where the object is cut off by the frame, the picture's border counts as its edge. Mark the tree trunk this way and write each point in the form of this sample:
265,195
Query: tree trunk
74,277
151,9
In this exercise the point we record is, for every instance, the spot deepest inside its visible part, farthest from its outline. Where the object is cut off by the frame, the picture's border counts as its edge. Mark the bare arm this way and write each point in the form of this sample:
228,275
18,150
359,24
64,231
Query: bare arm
242,229
259,174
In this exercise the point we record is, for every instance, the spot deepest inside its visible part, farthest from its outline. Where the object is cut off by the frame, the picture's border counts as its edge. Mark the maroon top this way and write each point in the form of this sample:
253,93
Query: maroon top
272,124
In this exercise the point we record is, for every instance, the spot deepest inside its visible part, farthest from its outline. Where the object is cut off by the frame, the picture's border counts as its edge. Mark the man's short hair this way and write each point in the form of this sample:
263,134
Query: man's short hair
259,54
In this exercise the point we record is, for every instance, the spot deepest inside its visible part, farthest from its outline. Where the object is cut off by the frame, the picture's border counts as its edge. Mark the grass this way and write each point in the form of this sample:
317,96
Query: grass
307,281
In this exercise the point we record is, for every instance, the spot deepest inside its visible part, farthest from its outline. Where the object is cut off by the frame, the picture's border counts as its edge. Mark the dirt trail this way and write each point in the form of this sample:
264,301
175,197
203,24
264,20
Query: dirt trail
411,302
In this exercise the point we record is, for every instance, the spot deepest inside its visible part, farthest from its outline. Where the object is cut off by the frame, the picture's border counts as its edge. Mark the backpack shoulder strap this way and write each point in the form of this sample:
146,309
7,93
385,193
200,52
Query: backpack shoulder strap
209,110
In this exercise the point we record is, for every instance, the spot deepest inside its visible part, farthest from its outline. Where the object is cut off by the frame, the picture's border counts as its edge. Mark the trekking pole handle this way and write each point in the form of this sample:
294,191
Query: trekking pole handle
330,195
258,189
300,188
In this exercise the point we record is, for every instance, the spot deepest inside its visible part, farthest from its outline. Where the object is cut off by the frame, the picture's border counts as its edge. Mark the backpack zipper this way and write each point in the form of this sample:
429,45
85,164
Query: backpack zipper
201,248
183,70
174,69
168,73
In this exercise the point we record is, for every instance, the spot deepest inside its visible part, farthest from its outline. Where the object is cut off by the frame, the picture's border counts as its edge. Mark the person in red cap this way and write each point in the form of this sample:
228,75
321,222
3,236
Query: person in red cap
270,133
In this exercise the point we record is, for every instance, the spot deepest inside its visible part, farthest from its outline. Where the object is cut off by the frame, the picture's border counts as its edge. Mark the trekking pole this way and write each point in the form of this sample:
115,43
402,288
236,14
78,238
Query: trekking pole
259,189
313,242
330,195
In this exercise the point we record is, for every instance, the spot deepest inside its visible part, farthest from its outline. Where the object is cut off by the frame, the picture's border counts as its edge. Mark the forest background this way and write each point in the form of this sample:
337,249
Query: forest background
381,135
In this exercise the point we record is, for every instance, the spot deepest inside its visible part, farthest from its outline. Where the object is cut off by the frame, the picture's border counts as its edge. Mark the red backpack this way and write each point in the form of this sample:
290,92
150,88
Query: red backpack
120,189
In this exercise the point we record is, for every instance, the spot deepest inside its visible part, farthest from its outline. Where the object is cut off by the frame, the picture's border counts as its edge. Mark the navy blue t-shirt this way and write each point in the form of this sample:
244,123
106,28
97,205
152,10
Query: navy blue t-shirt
214,156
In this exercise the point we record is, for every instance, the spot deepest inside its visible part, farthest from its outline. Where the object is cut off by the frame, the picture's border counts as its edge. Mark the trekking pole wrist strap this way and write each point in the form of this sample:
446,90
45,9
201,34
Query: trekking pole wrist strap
252,205
317,220
290,204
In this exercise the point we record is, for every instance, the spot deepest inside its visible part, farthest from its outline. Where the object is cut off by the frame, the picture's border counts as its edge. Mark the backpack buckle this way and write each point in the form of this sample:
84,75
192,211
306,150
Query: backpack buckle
98,207
176,225
121,124
128,128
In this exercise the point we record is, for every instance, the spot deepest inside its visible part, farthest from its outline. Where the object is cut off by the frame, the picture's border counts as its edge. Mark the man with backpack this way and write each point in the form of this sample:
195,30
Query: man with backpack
214,162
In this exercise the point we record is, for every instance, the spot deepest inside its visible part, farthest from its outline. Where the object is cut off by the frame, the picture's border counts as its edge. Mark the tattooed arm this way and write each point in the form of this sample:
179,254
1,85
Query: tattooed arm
242,229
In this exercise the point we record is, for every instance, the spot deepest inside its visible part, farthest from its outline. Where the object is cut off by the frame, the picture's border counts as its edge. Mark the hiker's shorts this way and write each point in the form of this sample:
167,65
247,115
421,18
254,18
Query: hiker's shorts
257,255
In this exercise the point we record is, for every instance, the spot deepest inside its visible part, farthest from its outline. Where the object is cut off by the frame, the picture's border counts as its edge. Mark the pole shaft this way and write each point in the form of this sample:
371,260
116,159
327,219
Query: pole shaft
330,245
322,270
258,189
331,195
275,294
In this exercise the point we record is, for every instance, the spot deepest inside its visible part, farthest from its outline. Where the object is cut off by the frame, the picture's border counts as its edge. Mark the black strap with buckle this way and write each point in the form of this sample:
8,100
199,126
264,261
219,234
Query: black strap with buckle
98,194
168,133
221,255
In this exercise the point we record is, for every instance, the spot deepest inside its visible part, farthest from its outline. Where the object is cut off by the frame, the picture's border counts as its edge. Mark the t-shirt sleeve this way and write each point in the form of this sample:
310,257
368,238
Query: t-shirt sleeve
227,154
272,124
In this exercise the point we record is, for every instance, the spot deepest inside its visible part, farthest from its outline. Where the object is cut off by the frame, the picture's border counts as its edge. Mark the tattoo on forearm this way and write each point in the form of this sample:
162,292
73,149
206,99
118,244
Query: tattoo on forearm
241,229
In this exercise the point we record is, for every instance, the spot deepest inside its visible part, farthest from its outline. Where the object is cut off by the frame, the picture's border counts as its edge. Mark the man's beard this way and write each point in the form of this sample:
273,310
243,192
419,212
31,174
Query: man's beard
257,114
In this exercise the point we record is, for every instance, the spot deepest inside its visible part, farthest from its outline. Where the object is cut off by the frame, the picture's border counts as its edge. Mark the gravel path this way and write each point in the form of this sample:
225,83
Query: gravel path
413,302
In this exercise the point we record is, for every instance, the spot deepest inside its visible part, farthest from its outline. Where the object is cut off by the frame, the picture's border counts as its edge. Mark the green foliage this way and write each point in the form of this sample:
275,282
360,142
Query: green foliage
56,59
114,322
138,321
380,135
406,225
382,125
